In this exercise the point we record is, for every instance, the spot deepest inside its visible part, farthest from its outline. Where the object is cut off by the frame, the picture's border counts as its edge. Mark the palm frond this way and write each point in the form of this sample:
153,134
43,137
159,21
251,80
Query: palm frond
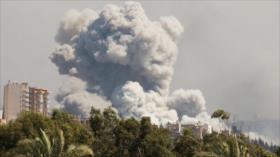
80,150
46,142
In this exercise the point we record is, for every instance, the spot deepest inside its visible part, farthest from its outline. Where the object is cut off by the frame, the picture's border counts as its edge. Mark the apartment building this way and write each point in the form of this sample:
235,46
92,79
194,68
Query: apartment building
19,97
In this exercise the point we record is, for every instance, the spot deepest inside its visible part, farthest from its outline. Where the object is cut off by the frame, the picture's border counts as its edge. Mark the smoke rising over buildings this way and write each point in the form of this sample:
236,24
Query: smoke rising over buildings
119,57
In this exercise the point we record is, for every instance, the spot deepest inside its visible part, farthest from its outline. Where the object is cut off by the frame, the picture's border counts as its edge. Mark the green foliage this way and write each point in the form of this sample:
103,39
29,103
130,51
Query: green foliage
103,125
205,154
78,151
44,146
27,125
146,140
278,151
74,131
126,134
187,145
153,141
107,135
220,114
226,145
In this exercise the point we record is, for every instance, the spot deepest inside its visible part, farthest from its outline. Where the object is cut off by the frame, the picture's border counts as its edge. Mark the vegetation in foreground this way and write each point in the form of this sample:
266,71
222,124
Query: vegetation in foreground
106,135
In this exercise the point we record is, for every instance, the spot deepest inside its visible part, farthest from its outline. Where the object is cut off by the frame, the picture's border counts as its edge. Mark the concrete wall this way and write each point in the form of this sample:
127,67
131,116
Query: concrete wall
14,100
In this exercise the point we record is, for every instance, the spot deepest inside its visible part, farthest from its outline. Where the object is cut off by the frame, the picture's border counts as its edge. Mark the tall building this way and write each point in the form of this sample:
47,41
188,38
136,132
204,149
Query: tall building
20,97
38,100
15,100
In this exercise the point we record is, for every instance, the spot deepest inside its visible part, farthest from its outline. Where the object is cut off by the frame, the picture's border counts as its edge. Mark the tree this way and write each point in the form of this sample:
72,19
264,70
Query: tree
74,131
27,125
278,151
145,127
187,145
126,134
111,136
102,126
205,154
110,119
218,144
220,114
152,141
96,121
43,146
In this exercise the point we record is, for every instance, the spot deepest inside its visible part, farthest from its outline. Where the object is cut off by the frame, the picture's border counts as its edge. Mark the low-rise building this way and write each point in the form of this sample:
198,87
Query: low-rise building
198,130
2,121
174,128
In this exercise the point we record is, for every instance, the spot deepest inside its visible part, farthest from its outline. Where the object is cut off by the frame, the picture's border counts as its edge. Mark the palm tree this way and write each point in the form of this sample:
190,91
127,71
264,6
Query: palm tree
42,146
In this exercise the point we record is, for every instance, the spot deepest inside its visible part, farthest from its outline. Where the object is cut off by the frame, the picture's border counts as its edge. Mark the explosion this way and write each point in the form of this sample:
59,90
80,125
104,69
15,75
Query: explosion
119,57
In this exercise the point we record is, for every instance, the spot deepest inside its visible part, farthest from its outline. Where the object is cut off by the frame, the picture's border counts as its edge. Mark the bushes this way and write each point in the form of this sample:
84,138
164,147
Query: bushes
110,136
29,124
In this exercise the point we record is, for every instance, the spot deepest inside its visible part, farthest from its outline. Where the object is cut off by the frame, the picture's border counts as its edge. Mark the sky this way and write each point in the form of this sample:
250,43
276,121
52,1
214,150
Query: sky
229,50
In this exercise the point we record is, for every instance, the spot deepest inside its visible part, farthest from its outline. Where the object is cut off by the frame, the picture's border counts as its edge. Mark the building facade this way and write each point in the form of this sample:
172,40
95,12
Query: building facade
38,100
174,128
19,97
198,130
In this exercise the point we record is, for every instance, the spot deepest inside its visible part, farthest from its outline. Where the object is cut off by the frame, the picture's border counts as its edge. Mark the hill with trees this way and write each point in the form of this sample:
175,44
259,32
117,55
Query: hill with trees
107,135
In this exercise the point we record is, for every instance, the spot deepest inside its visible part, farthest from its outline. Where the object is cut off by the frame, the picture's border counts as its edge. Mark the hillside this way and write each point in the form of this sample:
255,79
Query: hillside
106,135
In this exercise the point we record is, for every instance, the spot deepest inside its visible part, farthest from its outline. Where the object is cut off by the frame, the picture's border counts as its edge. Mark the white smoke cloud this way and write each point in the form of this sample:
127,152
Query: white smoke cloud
132,101
121,43
123,57
76,99
204,118
256,136
189,102
73,23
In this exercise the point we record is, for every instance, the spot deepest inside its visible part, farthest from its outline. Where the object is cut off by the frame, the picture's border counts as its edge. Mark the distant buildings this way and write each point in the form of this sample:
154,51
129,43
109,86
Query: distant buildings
2,121
20,97
174,128
198,130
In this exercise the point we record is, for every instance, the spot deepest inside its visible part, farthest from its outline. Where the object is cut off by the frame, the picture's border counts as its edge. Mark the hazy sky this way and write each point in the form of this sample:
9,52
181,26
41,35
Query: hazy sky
229,50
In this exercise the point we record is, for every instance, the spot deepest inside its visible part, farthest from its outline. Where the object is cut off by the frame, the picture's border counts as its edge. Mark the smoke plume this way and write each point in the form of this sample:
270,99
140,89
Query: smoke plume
121,58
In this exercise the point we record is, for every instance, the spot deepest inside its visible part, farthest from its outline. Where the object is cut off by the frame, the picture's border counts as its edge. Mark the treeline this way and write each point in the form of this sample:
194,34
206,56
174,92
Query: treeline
267,146
106,135
258,141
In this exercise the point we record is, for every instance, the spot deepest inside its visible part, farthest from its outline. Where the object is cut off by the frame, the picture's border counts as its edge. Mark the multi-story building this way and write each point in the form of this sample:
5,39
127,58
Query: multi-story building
20,97
38,100
15,100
